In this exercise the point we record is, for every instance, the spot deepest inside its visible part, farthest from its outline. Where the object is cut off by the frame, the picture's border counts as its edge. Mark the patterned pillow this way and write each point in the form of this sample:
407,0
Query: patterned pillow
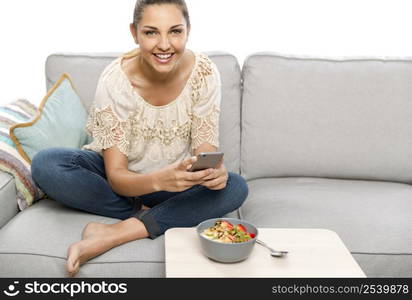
10,160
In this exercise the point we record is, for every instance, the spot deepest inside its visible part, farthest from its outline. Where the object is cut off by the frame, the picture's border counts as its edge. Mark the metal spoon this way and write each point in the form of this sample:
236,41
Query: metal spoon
274,253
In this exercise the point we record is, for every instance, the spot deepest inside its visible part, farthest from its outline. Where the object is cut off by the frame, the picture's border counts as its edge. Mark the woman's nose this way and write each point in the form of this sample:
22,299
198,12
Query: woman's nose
164,43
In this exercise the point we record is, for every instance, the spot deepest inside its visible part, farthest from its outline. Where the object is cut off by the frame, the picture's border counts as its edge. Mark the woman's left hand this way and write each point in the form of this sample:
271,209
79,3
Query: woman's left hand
217,179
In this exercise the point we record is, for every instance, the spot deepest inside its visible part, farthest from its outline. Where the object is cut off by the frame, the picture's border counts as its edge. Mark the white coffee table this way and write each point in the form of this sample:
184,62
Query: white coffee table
312,253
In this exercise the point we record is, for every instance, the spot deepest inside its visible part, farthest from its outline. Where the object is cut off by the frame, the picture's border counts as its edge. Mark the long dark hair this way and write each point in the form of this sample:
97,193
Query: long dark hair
141,4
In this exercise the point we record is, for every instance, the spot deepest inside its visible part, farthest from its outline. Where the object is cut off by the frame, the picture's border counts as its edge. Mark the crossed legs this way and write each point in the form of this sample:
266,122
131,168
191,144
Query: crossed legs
59,170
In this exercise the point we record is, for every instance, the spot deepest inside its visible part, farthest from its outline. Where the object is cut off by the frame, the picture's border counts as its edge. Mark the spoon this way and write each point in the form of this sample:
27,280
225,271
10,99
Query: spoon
274,253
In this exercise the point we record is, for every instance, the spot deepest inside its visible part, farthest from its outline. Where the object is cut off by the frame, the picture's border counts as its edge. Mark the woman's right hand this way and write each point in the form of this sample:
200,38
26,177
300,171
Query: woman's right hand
176,178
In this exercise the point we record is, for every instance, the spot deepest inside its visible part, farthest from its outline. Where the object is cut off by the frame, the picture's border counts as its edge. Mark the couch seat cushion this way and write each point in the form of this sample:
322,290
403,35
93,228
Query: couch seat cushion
372,218
35,242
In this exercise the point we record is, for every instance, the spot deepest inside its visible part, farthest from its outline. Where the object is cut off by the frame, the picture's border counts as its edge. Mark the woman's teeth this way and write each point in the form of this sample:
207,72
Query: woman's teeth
163,57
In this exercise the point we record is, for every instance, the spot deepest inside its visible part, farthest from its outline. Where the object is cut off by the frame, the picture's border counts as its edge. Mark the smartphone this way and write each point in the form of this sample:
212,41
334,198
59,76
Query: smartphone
206,160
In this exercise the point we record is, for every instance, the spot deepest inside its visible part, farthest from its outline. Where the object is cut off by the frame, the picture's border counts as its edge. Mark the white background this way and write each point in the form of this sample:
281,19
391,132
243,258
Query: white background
31,30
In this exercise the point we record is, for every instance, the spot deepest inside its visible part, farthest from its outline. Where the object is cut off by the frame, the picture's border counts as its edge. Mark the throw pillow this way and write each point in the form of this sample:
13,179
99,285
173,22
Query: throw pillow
60,122
10,160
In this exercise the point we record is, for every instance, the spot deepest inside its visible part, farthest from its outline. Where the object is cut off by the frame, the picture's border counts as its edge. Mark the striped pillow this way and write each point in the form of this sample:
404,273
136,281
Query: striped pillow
10,160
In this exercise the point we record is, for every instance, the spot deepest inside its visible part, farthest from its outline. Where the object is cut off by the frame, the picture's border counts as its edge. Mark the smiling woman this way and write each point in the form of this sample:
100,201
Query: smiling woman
162,65
162,38
155,108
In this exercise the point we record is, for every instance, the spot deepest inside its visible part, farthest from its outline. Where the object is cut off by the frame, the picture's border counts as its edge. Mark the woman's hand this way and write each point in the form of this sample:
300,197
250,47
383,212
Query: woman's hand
176,178
217,180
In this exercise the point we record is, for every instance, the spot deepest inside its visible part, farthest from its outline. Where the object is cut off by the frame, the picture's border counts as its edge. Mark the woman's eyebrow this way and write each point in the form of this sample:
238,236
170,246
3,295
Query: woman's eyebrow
152,27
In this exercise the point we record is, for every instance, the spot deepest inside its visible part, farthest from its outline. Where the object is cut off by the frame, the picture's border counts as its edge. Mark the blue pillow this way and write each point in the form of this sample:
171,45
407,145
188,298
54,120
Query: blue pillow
60,122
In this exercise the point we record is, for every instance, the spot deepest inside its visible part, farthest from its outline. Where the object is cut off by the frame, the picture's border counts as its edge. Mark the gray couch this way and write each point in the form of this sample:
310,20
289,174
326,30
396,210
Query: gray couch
323,143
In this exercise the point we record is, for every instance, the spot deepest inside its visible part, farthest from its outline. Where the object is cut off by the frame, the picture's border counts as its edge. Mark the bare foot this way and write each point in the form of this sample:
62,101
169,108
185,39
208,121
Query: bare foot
98,238
80,252
95,229
95,240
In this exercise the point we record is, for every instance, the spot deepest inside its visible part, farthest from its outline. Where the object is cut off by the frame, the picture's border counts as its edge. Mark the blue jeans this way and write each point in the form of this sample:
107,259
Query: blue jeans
77,178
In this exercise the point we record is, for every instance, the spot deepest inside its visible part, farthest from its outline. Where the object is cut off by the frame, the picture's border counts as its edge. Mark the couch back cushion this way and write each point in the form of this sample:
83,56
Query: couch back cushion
338,118
85,69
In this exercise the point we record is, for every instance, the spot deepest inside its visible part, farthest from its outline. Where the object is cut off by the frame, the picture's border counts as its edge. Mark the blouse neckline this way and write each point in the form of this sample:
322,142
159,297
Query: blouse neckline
133,90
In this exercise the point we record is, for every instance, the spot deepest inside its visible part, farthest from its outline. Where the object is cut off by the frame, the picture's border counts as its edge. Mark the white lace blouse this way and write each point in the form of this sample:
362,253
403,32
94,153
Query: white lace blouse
155,136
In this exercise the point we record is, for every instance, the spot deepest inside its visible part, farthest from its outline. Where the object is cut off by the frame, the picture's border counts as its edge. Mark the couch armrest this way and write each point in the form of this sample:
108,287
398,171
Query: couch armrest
8,198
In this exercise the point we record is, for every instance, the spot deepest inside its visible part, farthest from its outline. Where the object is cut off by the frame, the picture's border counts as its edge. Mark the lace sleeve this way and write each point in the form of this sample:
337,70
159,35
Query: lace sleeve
206,108
104,123
107,131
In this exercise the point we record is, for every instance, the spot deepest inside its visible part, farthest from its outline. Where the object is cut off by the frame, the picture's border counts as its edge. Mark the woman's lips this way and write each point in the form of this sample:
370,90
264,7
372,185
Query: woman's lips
163,61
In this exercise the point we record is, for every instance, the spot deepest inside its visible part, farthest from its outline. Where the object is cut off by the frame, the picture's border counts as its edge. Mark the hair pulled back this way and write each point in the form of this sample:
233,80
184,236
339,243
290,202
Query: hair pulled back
141,5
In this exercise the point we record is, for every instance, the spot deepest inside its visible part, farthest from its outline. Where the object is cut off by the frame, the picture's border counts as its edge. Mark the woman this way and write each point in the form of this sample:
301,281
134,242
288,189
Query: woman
155,109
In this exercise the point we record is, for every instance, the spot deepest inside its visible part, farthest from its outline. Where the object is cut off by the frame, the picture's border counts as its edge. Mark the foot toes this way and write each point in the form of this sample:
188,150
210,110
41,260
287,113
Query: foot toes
75,269
72,258
70,267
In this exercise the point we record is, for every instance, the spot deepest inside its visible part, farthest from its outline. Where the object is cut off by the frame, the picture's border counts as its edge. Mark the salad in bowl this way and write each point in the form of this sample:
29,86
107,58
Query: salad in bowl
225,232
227,239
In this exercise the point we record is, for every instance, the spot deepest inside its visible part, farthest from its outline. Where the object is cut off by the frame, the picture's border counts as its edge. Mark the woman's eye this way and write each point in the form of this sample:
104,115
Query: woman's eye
175,31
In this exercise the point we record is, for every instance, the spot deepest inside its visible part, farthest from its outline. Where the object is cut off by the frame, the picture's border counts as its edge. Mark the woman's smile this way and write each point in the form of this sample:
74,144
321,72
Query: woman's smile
163,58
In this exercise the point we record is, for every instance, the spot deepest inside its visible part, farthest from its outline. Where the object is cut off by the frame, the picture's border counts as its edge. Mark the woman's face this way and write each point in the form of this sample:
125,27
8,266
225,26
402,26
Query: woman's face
162,35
